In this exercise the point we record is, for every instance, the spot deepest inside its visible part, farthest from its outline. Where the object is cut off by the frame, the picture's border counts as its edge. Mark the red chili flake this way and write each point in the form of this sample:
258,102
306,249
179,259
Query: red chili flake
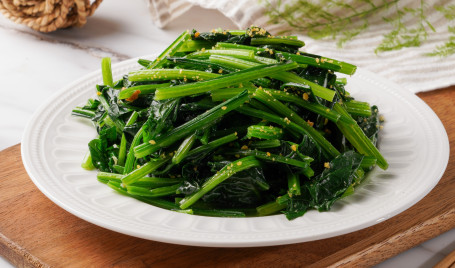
134,96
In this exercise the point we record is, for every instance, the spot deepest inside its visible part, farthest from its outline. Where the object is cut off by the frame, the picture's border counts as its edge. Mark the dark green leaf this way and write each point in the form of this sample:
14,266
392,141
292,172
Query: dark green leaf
334,181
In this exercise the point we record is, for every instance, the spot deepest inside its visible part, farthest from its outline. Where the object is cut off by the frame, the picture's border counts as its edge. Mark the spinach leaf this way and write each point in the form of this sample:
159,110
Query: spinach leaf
298,205
91,104
162,115
331,184
309,147
101,149
240,190
116,110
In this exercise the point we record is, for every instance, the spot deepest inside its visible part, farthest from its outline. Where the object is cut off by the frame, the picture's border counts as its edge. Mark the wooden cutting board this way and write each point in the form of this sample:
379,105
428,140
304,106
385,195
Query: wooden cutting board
34,232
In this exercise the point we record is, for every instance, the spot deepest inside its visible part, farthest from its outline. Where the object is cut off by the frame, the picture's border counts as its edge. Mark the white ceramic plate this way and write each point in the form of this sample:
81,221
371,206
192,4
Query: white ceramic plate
413,141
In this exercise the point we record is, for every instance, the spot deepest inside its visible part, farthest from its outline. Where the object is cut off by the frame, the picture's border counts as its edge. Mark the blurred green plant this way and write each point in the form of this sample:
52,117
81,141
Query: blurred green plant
448,48
345,20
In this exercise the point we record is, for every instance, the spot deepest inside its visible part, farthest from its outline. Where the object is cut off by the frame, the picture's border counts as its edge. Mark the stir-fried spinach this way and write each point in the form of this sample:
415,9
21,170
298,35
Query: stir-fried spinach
233,123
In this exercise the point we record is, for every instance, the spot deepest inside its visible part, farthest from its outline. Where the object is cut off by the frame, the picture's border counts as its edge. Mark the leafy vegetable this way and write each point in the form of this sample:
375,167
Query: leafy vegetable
232,124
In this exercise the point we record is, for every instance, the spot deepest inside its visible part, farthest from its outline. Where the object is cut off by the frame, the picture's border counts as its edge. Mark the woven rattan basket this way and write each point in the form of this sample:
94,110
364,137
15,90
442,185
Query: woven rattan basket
49,15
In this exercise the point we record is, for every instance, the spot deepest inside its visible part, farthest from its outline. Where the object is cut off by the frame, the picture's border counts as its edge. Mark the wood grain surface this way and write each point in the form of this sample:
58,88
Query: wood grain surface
34,232
448,261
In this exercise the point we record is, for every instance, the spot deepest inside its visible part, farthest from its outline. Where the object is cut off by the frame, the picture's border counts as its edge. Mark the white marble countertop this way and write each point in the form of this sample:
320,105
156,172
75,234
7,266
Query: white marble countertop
33,66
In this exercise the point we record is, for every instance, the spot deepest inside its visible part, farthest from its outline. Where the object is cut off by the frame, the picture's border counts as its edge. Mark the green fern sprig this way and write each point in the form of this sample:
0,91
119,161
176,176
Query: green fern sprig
343,21
447,11
448,48
319,20
402,35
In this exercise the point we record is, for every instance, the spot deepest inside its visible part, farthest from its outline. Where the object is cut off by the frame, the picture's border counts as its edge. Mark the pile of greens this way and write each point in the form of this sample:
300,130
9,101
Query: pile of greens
232,124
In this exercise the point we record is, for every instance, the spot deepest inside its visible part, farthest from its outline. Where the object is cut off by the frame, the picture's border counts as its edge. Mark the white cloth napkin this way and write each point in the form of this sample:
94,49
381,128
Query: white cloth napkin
409,67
